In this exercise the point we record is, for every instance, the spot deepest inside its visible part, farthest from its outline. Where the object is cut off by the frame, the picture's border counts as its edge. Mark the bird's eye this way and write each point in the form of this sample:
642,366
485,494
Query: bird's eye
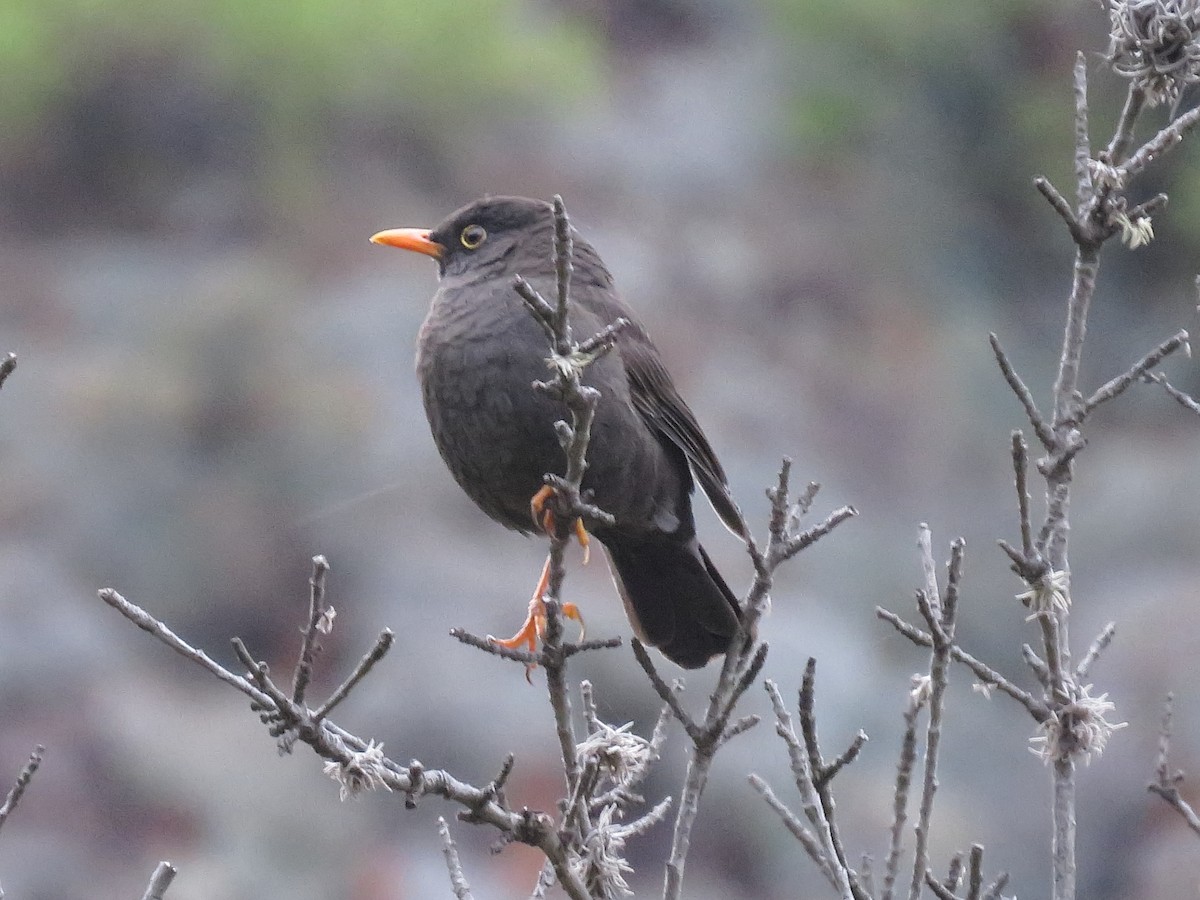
472,236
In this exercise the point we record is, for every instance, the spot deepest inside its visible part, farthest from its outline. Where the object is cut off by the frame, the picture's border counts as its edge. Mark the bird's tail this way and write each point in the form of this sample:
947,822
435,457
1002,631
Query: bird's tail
676,600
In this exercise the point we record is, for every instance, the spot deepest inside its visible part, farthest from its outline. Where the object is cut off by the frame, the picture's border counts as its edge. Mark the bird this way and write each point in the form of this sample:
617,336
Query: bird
478,352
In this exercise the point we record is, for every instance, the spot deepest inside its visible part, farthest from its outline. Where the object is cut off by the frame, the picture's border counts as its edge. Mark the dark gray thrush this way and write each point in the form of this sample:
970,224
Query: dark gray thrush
478,353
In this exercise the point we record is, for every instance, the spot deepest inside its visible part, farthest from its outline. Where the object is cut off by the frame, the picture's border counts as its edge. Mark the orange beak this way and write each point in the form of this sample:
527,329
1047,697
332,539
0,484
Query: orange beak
416,239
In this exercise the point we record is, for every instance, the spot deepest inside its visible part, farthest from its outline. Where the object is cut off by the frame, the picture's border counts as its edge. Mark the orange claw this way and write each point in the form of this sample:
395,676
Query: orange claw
535,622
585,541
534,626
544,518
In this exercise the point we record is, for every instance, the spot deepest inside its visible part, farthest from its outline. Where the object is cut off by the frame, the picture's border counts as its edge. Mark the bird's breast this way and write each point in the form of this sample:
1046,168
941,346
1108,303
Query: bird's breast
477,366
478,354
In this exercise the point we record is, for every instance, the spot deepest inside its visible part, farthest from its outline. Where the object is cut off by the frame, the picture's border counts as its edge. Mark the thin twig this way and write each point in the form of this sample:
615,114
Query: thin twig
987,675
847,756
939,890
17,791
382,645
904,769
1103,639
7,365
1148,208
941,625
316,615
1122,138
1166,139
1040,669
975,872
458,879
1083,144
1040,427
556,688
164,874
1087,265
954,872
928,566
1058,202
805,539
563,267
1166,785
695,781
153,626
1117,386
993,890
796,827
814,807
743,661
819,774
1020,458
669,696
1187,402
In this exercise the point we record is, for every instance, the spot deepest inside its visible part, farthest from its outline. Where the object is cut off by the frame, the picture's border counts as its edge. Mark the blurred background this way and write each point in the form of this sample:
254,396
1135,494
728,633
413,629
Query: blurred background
820,211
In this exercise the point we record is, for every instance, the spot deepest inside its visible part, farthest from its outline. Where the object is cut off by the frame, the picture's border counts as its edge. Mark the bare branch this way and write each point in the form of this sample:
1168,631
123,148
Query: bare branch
1083,286
316,616
1040,427
1166,785
669,696
994,889
797,542
1121,383
849,755
17,791
382,645
1083,144
458,879
1122,138
987,675
1020,458
797,828
556,688
563,267
164,874
1058,202
148,623
1147,208
928,566
954,872
1040,669
975,872
939,890
904,769
1184,400
941,624
337,745
7,366
741,726
1099,645
1166,139
818,804
488,645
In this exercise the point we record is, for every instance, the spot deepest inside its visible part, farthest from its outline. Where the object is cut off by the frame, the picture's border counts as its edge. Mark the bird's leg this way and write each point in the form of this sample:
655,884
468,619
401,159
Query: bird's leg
534,626
543,517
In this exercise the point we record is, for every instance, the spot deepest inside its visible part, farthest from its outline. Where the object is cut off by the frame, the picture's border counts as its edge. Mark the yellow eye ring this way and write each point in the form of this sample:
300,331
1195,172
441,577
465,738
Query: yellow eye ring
472,236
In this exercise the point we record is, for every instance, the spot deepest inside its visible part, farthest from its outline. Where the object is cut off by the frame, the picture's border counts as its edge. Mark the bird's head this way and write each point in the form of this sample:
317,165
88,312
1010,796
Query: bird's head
479,237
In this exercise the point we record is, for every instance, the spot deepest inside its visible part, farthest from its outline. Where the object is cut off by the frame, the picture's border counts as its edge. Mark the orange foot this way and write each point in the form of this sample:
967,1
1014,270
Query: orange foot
534,626
544,518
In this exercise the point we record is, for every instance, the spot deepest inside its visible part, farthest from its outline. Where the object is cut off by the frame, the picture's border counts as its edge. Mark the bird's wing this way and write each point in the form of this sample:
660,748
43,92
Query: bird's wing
656,399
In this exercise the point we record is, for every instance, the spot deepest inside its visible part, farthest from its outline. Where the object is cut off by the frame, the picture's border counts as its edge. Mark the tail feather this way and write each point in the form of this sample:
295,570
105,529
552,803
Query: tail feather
674,597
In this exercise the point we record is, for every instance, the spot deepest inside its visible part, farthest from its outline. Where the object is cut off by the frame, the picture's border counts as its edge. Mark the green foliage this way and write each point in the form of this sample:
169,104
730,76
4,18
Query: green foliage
897,61
302,58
